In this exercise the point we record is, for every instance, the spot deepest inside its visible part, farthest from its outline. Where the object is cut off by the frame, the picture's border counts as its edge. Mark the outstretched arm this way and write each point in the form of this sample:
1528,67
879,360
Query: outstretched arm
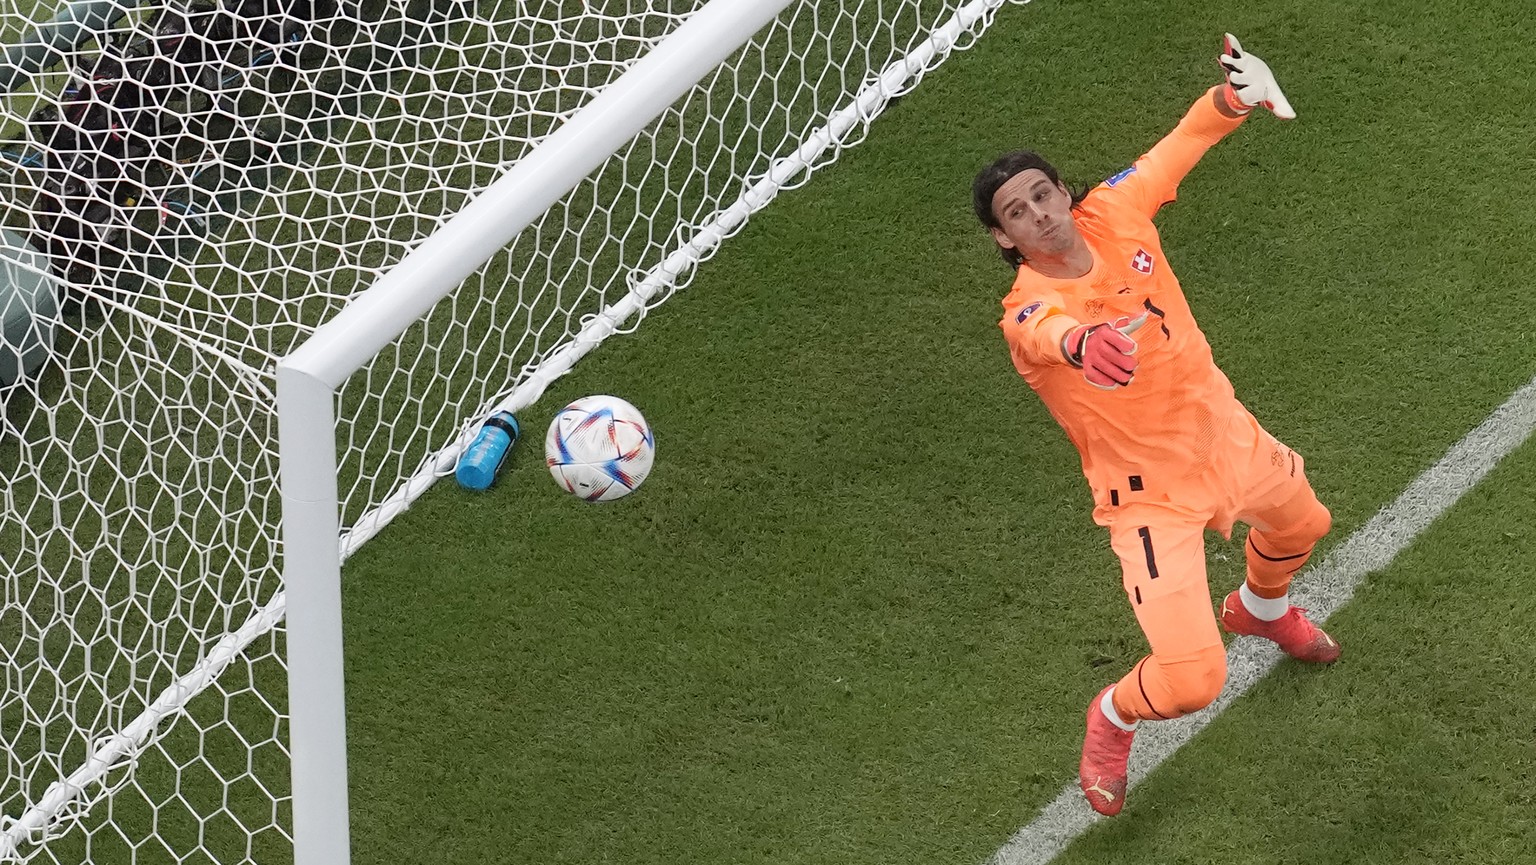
1154,180
1040,334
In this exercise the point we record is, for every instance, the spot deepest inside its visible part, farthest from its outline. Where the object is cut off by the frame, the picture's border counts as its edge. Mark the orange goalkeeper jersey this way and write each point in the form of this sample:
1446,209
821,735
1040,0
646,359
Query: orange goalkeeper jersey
1154,437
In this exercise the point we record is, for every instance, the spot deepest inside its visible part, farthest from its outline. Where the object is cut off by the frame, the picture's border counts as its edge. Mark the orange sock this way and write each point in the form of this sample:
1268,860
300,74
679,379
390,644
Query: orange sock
1275,555
1271,564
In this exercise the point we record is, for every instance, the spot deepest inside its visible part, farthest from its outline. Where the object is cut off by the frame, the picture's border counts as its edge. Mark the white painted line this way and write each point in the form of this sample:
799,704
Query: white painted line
1322,589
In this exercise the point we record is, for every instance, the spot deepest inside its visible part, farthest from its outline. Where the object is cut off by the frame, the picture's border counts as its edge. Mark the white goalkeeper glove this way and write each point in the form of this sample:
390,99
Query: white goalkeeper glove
1251,81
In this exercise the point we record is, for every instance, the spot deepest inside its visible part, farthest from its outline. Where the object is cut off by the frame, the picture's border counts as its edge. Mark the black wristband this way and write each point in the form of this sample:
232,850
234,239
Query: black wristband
1075,356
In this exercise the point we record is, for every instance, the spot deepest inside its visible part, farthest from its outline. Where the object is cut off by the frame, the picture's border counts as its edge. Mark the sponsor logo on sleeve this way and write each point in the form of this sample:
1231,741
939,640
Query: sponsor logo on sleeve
1121,176
1028,311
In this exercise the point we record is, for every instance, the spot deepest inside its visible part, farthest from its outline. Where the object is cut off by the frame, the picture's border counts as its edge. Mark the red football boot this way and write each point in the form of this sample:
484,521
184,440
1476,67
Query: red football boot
1106,749
1292,632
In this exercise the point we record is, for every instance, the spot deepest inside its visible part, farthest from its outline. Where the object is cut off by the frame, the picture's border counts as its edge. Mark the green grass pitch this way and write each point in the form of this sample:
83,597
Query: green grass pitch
856,612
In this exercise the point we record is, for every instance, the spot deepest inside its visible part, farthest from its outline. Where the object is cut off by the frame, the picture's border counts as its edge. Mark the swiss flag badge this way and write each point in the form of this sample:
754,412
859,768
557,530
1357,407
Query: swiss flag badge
1142,262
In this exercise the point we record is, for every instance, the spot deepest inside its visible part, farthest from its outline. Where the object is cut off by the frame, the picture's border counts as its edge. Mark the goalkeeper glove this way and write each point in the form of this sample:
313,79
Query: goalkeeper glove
1251,82
1104,351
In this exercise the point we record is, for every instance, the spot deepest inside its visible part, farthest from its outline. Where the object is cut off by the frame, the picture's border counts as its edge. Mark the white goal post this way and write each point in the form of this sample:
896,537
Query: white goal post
307,381
293,276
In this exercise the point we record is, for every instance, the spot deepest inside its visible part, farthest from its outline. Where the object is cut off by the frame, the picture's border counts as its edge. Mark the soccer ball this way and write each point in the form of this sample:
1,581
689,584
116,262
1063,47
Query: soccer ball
599,448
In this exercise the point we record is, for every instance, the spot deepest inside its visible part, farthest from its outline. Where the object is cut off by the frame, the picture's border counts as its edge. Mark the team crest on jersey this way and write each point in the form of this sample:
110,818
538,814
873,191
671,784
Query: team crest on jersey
1028,311
1142,262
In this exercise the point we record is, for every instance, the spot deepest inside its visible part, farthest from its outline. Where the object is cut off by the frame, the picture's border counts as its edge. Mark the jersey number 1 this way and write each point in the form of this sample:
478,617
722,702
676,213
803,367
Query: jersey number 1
1162,318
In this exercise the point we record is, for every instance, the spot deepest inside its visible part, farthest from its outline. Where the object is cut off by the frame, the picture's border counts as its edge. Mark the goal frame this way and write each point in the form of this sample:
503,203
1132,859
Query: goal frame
308,380
189,475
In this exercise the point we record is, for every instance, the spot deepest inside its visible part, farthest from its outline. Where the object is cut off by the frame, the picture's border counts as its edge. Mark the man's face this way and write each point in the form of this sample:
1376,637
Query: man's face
1036,215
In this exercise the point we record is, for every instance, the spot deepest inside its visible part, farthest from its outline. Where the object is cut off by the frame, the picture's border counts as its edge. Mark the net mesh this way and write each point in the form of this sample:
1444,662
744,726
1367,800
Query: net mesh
199,185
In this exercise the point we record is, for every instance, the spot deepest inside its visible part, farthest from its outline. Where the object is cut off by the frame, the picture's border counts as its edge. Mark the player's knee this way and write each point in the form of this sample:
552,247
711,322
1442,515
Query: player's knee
1301,535
1318,523
1196,681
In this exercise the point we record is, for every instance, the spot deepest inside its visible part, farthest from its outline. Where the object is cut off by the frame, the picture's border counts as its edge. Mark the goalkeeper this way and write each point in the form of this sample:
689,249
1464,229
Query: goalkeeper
1098,326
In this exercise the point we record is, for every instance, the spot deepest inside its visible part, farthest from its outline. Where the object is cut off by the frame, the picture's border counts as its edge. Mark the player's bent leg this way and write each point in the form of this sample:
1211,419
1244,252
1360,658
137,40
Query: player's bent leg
1162,557
1161,689
1287,522
1155,689
1274,497
1281,548
1188,663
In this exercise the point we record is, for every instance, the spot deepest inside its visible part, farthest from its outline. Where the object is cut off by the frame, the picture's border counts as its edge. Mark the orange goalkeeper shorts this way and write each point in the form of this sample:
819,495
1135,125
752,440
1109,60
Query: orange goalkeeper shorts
1160,537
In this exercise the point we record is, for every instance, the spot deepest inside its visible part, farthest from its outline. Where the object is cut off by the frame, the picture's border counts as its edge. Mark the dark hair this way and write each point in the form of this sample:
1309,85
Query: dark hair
1003,169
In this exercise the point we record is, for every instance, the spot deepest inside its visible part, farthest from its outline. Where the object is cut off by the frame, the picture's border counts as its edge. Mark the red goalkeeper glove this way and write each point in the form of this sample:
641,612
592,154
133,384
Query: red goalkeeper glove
1104,352
1250,82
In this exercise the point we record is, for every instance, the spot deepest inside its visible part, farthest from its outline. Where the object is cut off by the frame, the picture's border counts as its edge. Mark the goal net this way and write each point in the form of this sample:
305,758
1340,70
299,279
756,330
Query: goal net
191,188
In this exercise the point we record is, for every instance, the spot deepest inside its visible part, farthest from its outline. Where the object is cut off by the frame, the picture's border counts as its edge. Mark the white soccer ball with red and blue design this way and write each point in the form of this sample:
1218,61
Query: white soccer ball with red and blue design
599,448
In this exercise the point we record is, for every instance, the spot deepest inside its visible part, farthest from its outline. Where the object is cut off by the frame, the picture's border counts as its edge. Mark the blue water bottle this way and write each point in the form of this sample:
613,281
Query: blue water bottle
481,461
